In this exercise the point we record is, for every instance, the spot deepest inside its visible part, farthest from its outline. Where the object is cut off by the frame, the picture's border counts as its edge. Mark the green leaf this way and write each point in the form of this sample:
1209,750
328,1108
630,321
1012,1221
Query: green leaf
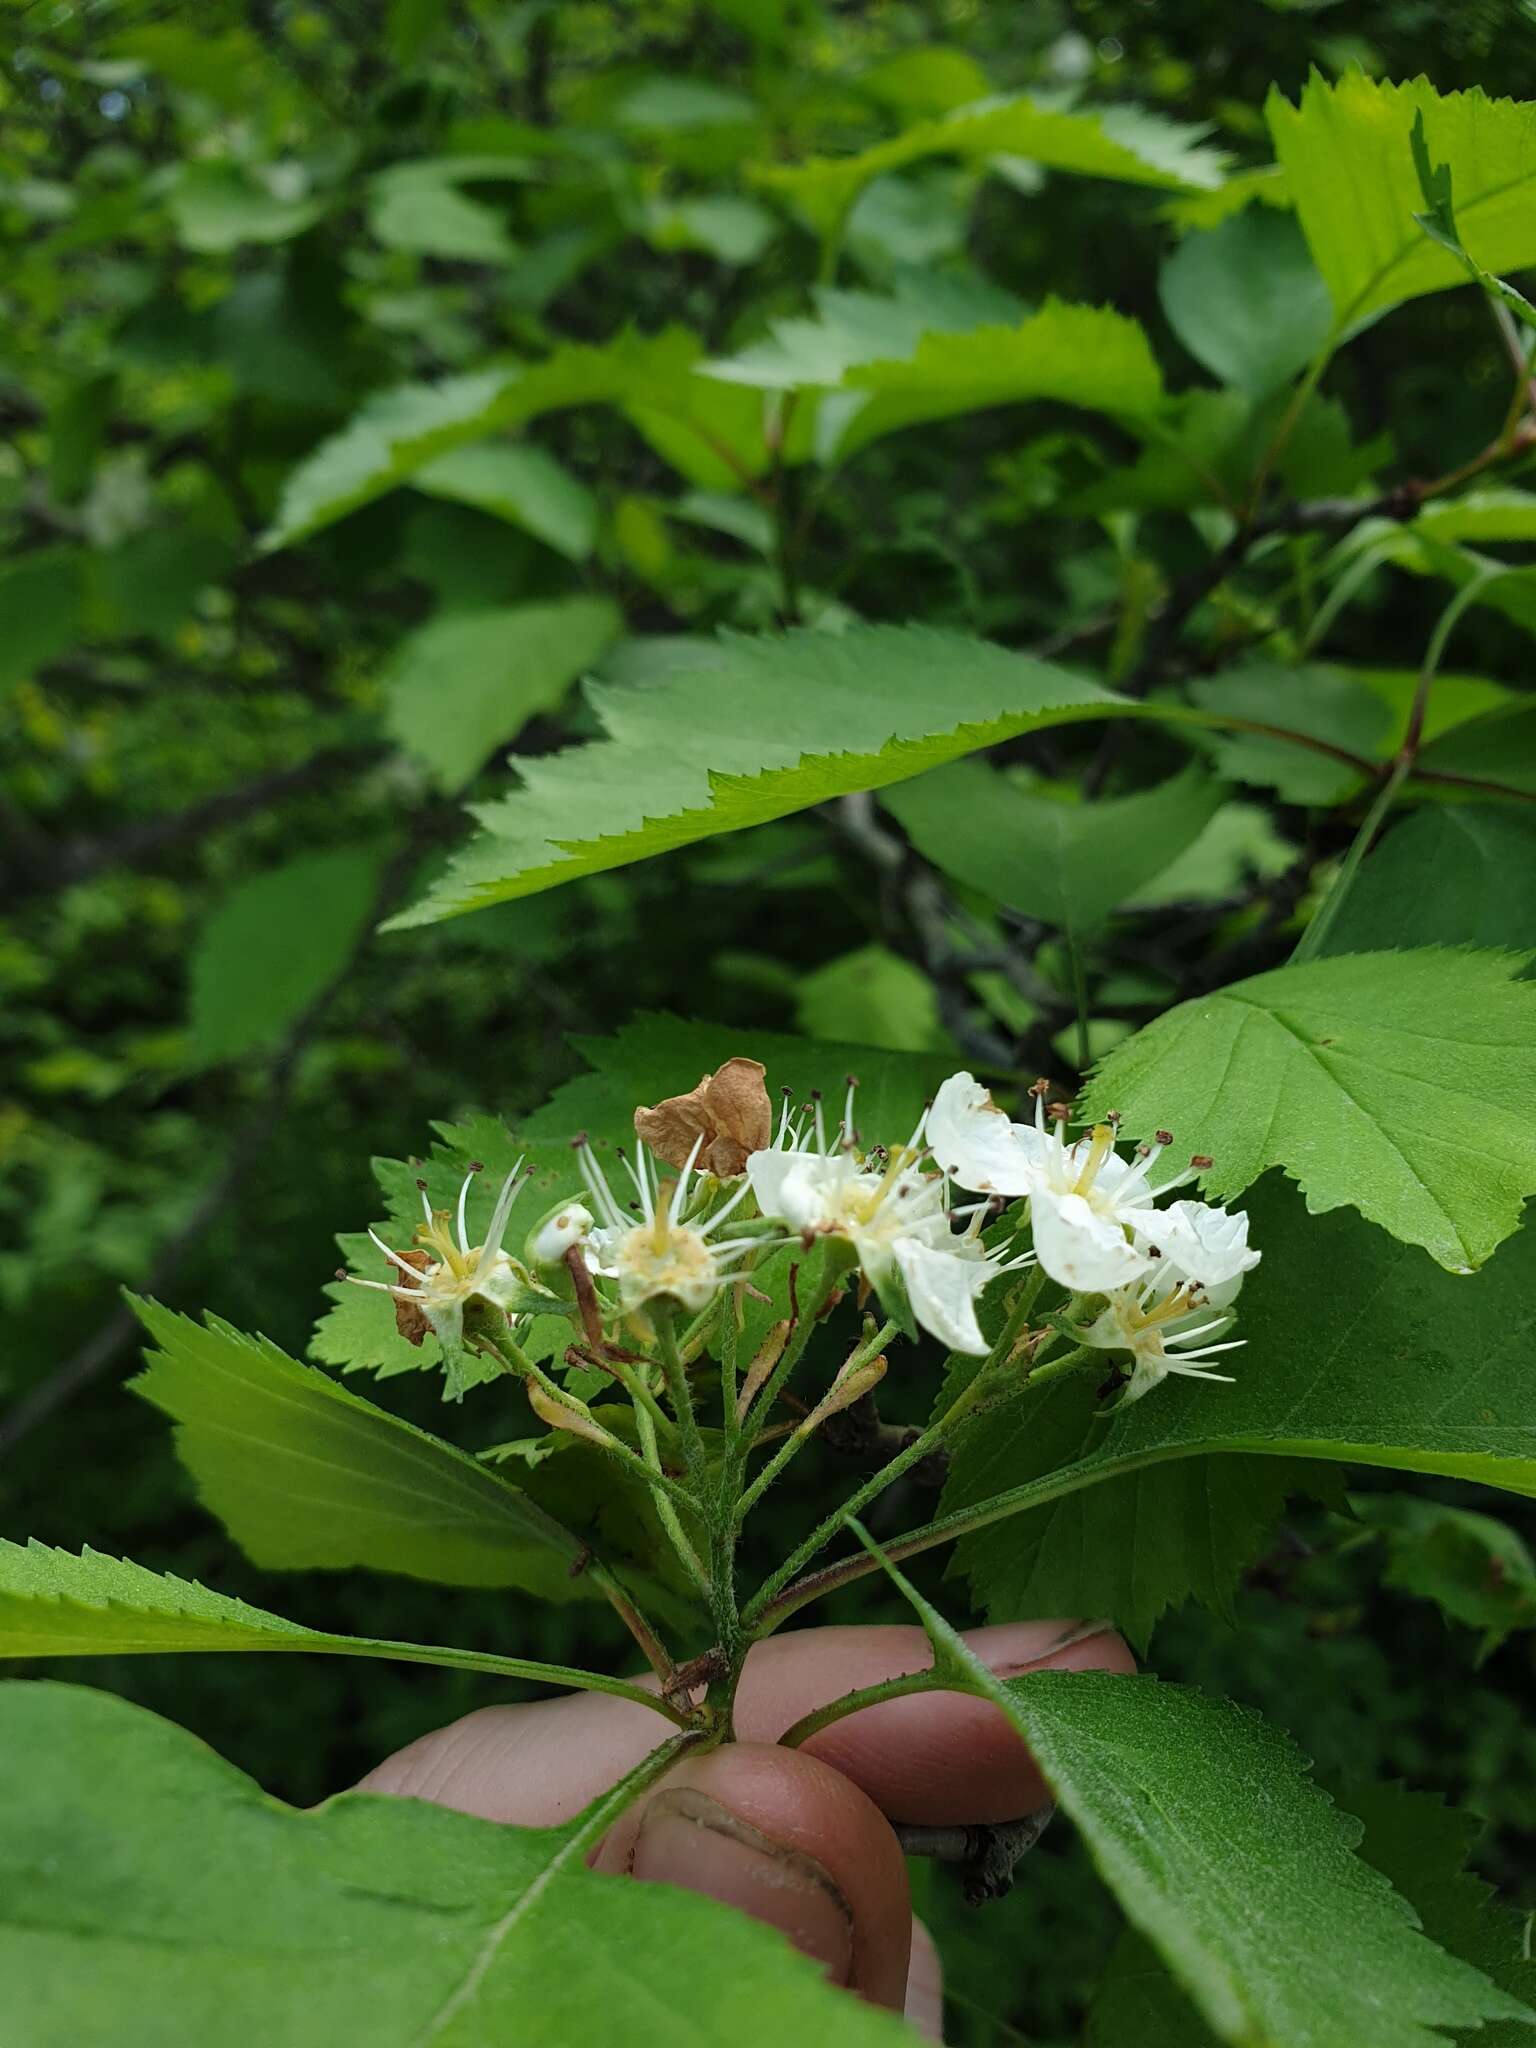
465,684
218,206
1122,143
1247,300
851,328
1204,1823
274,945
1078,355
752,730
54,1604
726,225
1348,161
1475,1568
429,216
875,996
1499,747
140,1874
1451,875
306,1475
1128,1549
42,597
397,433
1238,846
521,484
1437,185
1324,702
1419,1846
1401,1084
1068,863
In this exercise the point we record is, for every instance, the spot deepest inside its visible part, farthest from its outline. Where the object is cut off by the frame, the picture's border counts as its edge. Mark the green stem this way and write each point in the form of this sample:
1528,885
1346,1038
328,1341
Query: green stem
503,1667
1080,999
680,1392
888,1474
854,1702
1068,1362
801,1435
794,1349
666,1514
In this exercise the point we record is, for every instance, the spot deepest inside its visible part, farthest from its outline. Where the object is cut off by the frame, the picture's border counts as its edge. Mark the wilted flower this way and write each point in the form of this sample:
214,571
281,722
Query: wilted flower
714,1126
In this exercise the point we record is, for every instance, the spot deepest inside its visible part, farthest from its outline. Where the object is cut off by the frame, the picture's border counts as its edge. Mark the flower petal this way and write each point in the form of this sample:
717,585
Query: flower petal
1082,1250
976,1144
943,1288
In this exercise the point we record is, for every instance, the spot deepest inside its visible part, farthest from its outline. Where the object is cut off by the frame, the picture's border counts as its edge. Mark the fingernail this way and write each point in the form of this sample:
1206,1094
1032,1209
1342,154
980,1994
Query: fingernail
687,1838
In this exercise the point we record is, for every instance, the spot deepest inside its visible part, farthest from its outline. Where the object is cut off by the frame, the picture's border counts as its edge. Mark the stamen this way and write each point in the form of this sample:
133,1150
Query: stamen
463,1198
1102,1145
395,1258
852,1081
680,1192
511,1187
820,1125
426,1206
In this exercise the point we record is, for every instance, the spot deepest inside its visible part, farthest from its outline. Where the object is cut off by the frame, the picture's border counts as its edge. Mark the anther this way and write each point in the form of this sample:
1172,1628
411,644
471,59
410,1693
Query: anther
1059,1112
579,1142
1113,1118
477,1166
850,1080
1163,1137
422,1185
341,1272
1201,1160
1042,1087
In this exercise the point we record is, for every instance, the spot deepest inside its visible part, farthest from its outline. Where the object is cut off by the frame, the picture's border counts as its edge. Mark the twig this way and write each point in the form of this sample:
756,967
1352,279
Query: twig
987,1856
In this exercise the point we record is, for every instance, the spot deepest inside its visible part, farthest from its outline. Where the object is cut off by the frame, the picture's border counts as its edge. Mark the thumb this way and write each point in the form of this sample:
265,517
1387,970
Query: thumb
790,1841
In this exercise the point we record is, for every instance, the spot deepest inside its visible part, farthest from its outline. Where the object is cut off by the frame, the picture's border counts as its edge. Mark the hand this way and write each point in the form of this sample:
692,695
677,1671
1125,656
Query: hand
798,1838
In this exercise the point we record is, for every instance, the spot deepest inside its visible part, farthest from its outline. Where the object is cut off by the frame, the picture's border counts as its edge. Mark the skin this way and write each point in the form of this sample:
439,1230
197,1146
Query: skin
800,1839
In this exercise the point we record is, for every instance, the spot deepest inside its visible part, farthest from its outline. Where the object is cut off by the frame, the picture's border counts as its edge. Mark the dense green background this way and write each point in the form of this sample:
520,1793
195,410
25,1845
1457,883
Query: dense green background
181,713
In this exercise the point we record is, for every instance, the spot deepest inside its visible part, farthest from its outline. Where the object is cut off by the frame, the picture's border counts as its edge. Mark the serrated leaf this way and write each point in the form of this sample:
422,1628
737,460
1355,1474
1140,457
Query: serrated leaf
1355,1350
1450,875
522,484
1347,156
1420,1847
1402,1085
141,1875
753,730
307,1475
1128,1549
273,945
714,433
1122,143
465,684
1070,864
1204,1823
54,1604
1247,300
1086,356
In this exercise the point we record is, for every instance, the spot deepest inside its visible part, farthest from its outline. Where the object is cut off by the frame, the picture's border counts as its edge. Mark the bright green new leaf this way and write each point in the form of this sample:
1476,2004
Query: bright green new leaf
1068,863
1401,1084
54,1604
1238,846
1078,355
522,484
852,327
1247,300
387,1921
1122,143
751,730
1450,875
1204,1823
1348,160
466,683
1438,221
274,945
873,995
306,1475
398,433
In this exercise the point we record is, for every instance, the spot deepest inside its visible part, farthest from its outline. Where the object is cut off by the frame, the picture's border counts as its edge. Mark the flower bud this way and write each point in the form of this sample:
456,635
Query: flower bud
849,1386
560,1415
553,1235
770,1351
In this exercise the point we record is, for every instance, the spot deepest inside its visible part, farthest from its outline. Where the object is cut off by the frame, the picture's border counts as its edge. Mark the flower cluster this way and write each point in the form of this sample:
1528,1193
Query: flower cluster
1156,1282
1168,1276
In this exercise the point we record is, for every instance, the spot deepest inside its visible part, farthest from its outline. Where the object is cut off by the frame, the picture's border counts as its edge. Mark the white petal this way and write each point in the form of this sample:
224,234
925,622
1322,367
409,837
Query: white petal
943,1288
1203,1244
767,1171
974,1142
1084,1251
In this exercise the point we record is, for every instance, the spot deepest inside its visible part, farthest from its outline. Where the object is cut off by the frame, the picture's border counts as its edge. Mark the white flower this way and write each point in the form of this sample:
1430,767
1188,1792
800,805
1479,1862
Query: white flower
1162,1327
438,1282
1092,1211
665,1253
896,1218
1201,1246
